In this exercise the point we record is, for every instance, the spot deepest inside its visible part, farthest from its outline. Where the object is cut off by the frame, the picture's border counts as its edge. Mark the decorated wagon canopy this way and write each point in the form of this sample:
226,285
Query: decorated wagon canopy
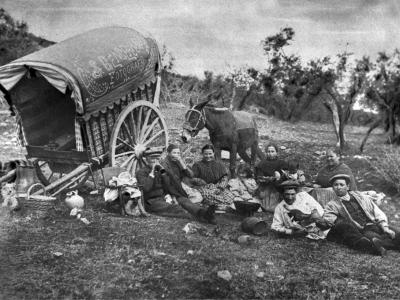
98,67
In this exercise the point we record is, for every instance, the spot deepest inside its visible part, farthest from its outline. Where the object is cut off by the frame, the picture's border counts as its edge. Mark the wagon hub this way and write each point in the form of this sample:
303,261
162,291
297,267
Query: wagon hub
139,150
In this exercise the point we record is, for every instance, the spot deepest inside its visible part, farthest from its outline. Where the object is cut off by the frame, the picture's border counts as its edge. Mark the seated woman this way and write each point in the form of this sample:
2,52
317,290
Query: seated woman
211,177
323,192
268,177
179,172
334,167
157,190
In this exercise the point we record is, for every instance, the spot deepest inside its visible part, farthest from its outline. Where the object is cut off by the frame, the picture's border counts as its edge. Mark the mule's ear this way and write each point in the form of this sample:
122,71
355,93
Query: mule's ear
202,104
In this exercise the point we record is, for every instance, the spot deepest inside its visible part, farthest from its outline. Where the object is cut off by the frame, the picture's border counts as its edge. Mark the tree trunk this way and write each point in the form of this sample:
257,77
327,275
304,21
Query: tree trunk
335,109
392,126
373,126
342,124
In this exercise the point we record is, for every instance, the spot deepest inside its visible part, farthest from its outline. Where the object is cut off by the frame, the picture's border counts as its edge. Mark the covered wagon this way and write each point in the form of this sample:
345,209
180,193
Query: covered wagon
87,102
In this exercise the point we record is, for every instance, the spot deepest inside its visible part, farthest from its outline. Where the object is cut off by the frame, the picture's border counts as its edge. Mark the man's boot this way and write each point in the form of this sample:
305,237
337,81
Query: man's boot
207,215
380,250
373,247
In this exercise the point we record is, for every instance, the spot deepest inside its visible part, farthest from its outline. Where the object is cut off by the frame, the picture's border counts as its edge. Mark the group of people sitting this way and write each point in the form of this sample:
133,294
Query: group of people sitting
330,207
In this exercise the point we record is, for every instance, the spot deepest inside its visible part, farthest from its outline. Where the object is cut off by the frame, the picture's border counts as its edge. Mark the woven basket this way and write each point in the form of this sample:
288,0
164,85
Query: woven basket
39,204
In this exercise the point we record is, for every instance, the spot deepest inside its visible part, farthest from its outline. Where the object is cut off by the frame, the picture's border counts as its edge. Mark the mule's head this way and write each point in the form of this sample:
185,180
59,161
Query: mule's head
195,120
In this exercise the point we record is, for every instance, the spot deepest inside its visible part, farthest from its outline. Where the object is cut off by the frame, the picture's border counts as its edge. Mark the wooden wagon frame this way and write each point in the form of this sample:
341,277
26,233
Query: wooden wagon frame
87,102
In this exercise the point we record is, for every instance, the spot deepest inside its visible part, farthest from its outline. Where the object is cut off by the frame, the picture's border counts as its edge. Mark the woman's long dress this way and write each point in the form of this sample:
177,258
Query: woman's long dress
267,191
215,174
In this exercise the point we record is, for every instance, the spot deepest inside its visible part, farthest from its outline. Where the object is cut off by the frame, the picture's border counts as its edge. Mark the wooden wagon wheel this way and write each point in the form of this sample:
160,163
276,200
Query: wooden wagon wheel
140,129
49,172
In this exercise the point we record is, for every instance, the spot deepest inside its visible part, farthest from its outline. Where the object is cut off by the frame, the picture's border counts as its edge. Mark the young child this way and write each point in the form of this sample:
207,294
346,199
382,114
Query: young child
244,186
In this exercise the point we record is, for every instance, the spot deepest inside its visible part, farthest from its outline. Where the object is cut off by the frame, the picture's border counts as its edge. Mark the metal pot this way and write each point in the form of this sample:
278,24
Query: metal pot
254,226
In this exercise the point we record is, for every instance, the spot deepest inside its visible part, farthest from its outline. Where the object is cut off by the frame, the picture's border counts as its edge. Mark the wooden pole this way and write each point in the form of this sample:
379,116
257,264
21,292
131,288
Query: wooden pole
74,173
8,176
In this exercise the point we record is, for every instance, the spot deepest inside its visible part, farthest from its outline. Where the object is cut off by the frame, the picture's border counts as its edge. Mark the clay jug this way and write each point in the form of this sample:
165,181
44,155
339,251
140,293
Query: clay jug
25,177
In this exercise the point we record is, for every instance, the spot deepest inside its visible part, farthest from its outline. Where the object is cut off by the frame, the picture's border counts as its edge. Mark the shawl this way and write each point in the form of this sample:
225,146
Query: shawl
268,167
209,171
326,173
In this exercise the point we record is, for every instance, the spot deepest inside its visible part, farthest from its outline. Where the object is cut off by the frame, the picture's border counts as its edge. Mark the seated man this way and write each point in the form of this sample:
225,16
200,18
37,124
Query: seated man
157,187
356,220
292,216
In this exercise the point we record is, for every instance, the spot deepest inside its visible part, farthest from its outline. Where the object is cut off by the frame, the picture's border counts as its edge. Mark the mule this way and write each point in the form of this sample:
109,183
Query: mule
231,131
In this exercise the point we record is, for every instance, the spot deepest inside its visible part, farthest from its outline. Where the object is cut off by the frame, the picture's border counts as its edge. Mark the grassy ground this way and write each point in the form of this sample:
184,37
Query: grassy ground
115,257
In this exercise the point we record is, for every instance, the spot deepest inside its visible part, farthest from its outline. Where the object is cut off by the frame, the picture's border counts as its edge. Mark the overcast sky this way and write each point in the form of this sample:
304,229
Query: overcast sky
215,35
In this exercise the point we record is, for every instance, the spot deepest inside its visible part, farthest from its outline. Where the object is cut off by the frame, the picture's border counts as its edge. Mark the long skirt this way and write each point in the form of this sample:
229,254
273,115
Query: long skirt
221,198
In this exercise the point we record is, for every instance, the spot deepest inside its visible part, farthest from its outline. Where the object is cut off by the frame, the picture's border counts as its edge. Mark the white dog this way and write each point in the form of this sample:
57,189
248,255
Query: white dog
9,195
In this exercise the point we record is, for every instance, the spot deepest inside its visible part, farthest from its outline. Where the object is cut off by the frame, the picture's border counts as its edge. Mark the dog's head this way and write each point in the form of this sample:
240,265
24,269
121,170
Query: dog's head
7,189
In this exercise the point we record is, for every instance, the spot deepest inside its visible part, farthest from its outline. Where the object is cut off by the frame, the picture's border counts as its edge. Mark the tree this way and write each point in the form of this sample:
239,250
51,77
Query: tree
336,82
244,78
15,40
167,59
383,91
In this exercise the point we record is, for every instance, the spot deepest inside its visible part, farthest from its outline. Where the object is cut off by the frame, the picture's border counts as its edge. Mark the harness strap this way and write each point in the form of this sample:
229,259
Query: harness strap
202,117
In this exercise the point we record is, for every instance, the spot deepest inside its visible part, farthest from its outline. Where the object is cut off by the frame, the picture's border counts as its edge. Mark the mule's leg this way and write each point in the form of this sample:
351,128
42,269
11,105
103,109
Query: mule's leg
260,154
232,160
253,154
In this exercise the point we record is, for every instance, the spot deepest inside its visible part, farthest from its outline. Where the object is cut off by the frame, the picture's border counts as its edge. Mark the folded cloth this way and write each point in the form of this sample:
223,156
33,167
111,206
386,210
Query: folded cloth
193,194
111,194
124,178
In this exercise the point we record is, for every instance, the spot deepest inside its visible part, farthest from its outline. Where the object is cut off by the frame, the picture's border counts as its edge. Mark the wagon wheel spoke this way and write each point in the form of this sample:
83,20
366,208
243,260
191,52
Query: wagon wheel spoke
146,120
149,129
124,153
153,137
130,165
128,161
125,143
131,121
139,121
134,167
128,133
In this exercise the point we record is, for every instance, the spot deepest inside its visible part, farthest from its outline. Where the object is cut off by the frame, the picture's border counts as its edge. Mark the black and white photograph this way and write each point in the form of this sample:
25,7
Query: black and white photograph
225,149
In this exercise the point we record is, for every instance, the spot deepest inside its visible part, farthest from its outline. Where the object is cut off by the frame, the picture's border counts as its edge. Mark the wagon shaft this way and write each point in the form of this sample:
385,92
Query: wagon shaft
65,181
8,176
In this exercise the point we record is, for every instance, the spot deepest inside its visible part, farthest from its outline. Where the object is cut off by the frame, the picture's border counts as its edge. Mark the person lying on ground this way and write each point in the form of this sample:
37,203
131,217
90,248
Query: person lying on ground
211,177
292,216
157,189
334,167
356,221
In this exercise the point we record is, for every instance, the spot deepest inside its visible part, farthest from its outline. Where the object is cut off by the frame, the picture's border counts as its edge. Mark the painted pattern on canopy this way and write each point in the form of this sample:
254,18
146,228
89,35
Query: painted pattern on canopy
100,62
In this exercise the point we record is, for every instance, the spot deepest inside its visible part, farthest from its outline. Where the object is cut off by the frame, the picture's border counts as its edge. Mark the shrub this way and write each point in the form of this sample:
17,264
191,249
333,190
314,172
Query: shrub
389,166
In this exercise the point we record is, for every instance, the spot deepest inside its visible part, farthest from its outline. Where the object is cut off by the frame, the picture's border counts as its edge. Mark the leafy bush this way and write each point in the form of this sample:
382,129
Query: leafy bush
389,166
